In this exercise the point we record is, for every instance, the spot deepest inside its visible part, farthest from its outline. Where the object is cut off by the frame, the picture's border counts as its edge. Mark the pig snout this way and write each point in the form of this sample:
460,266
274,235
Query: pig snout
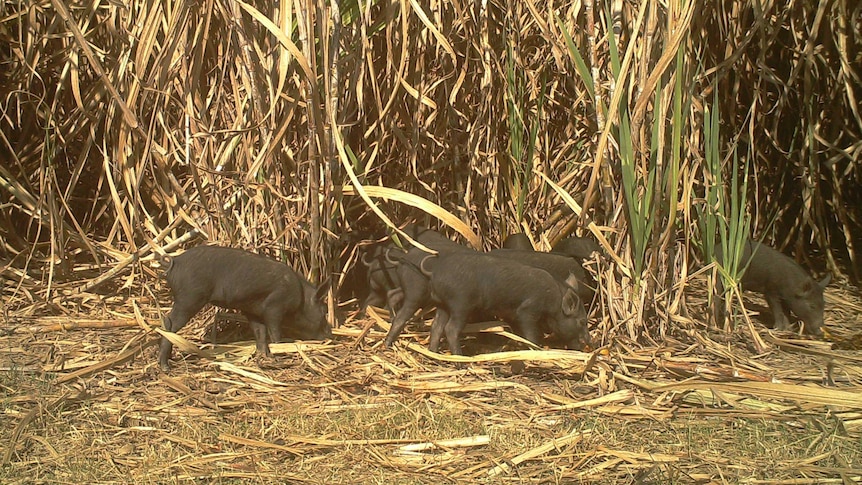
815,329
808,305
581,342
572,329
311,322
315,328
324,333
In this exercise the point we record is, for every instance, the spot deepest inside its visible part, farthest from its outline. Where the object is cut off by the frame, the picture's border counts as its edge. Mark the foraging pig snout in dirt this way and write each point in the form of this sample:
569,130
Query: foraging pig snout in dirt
270,294
474,287
784,284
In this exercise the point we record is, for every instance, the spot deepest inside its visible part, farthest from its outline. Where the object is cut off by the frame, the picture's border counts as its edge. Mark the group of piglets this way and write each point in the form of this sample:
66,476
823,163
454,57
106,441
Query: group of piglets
539,295
535,293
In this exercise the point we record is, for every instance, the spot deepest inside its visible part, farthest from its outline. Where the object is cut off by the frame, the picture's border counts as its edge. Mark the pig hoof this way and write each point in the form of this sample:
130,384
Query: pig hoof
518,367
265,361
165,366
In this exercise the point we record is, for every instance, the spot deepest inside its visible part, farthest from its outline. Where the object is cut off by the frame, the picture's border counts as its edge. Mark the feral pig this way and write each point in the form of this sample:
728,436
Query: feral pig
559,266
519,240
267,292
413,291
784,284
580,248
473,286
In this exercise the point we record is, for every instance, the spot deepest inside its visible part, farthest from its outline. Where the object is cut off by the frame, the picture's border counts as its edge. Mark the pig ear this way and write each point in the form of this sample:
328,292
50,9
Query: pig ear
572,281
825,281
570,302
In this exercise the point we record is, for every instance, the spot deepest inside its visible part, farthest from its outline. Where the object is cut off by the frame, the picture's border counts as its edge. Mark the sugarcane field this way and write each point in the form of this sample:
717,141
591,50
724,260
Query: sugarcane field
425,242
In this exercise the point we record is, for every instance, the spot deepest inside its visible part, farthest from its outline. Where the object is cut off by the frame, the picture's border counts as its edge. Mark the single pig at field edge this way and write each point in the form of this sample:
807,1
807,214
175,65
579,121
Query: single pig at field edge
784,284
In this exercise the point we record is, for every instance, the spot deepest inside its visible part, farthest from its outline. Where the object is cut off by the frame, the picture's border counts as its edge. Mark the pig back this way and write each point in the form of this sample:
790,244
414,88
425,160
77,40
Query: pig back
234,278
518,240
489,287
770,272
559,266
433,239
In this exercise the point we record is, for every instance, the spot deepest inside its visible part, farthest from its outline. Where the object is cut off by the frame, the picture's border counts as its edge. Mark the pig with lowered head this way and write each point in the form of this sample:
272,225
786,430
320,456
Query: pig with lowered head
267,292
784,284
473,286
384,289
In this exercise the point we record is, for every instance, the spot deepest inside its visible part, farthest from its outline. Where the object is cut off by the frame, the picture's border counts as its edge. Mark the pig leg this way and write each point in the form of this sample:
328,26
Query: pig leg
400,321
271,328
165,347
391,300
374,299
453,333
531,332
779,313
413,297
259,329
178,317
273,319
441,319
274,333
395,299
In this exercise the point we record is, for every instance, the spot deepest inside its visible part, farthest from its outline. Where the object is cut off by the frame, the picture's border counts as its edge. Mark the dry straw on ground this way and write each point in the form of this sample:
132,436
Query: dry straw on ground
84,401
